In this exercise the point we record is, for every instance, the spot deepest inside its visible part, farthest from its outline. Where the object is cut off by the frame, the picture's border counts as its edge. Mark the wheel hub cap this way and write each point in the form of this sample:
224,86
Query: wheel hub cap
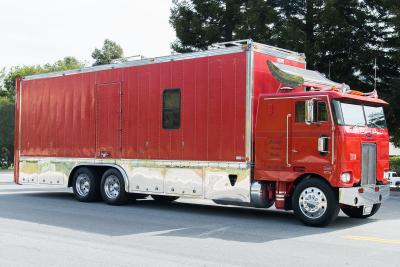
83,185
313,202
112,187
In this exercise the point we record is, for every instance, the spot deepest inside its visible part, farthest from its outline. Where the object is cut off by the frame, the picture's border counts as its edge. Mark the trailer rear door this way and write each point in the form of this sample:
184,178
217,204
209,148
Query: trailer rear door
108,120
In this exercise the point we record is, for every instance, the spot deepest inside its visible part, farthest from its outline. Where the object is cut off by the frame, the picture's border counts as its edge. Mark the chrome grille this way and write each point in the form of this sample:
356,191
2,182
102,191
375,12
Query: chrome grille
368,164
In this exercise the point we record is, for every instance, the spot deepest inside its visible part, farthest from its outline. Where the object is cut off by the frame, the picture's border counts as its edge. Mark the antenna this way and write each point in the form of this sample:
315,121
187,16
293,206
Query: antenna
329,72
375,68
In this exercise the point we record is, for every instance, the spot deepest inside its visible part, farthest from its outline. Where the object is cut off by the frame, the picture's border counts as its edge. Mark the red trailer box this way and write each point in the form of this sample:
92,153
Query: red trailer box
241,123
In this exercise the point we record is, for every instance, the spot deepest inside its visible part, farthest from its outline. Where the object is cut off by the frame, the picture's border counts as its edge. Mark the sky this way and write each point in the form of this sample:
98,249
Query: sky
44,31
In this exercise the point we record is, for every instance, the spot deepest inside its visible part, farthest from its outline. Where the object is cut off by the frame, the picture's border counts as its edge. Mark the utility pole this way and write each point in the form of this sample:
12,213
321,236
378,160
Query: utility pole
375,78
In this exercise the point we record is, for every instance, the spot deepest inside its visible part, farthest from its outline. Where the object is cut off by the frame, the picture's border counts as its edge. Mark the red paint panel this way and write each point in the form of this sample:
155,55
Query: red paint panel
131,113
108,120
58,117
59,114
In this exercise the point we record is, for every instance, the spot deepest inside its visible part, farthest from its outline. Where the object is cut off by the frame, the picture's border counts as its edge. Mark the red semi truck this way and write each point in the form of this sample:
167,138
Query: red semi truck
240,124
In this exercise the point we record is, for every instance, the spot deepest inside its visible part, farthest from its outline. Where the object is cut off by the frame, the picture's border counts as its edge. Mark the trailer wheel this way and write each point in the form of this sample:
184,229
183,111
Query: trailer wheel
315,203
85,185
164,199
112,188
357,212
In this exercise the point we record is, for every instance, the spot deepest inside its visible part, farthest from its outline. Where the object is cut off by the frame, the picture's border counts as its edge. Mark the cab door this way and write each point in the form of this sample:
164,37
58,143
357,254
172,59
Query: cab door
311,138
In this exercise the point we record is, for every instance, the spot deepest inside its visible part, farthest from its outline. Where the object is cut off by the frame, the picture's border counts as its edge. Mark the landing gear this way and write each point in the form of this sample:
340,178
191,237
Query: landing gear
315,203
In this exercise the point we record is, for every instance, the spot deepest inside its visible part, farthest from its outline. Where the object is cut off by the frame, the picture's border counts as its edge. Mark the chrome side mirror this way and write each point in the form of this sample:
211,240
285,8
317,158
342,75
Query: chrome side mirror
310,115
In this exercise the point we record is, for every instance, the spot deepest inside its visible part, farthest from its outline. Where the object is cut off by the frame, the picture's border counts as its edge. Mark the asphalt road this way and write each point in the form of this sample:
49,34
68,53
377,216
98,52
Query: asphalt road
50,228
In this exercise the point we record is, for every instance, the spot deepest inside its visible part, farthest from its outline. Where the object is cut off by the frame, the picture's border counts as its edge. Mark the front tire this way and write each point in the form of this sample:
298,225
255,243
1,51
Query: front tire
357,212
112,188
315,203
86,185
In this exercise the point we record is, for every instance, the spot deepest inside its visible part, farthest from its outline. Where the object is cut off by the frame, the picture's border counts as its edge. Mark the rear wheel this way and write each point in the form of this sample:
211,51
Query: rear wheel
86,185
113,188
357,212
164,199
315,203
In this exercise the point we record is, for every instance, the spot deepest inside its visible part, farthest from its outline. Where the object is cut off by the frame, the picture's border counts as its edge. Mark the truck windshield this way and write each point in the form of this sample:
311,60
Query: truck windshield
359,115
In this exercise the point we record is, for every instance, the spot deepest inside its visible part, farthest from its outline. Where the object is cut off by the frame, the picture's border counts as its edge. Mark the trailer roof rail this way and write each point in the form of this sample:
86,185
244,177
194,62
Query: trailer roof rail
126,59
231,43
258,46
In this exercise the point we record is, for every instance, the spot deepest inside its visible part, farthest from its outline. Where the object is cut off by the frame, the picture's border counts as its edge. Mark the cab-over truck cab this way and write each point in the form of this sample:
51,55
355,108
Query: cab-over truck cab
322,151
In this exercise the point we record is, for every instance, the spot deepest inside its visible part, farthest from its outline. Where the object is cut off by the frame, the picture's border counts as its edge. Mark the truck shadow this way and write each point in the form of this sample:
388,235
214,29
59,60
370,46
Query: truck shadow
178,219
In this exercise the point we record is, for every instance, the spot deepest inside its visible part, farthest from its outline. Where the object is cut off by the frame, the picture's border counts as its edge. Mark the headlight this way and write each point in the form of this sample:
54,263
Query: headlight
345,177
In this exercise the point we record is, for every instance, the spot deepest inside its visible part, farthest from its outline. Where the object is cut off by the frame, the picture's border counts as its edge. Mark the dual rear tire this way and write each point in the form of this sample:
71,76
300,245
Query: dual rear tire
88,188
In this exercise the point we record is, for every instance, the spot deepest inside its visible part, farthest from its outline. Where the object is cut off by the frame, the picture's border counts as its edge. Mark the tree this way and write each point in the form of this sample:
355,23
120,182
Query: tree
66,63
110,50
200,23
7,96
341,38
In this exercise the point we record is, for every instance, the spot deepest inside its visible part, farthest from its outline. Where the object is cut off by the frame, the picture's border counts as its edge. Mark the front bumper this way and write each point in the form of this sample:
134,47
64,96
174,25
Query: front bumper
364,195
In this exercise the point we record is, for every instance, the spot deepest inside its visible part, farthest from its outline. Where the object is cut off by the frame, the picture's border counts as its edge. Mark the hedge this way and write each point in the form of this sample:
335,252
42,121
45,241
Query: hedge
6,133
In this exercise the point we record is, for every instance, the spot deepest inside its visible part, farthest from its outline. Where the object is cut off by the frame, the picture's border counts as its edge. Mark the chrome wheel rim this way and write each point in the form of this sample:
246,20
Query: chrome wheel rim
112,187
82,184
313,202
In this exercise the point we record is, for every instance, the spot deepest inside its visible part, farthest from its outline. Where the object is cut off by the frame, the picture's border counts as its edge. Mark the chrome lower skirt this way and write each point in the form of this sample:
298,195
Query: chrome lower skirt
228,181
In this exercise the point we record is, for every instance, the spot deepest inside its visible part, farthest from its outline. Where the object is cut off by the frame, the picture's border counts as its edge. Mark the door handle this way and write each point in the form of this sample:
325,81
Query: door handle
104,154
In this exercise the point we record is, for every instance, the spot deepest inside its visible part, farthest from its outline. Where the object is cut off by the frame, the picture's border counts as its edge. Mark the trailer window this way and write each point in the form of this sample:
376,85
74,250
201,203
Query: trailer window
171,109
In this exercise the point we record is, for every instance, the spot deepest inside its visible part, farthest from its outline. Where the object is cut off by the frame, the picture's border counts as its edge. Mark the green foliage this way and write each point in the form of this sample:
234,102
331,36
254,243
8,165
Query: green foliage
110,50
7,96
340,38
67,63
6,132
200,23
395,164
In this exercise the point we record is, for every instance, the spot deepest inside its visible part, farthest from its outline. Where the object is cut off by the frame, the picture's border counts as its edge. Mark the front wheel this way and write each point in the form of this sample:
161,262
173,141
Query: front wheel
315,203
357,212
113,188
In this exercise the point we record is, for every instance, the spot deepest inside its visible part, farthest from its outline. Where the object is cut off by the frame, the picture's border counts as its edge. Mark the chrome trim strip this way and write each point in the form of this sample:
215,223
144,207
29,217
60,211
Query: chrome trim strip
249,99
333,130
288,116
152,163
20,118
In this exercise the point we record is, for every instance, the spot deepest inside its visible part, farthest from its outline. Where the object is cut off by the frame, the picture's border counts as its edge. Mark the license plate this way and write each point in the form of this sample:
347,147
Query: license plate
367,209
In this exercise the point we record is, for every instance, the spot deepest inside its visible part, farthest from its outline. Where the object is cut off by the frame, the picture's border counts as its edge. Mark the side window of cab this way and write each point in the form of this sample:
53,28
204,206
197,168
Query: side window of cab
320,109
